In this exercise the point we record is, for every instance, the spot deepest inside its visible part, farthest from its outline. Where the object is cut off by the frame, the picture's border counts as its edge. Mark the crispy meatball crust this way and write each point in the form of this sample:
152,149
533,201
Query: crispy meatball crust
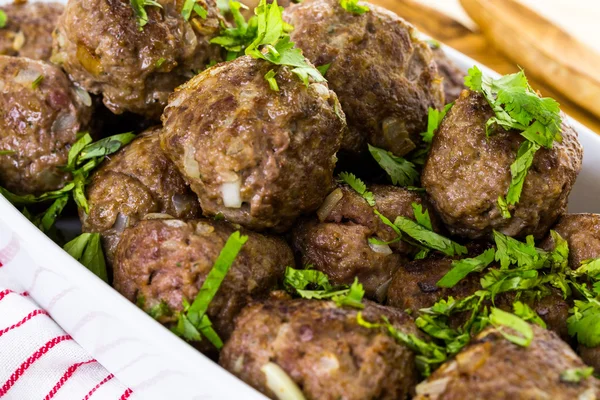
338,245
101,46
136,181
413,287
323,349
168,260
38,124
384,76
493,368
227,128
467,172
28,30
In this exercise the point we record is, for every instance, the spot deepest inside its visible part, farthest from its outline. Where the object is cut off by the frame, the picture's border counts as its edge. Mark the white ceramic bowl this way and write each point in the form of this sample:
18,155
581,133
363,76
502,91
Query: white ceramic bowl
140,352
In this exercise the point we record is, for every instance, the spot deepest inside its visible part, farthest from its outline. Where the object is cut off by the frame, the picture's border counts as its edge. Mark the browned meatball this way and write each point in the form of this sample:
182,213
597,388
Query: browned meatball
102,47
454,78
413,287
492,368
28,30
384,75
322,349
136,181
259,157
582,233
466,172
338,243
167,260
39,121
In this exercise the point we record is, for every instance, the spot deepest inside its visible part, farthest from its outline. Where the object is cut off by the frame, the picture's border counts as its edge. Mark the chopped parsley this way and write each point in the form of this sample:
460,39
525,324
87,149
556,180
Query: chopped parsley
525,312
87,249
192,322
517,106
401,171
192,6
461,268
511,327
421,217
313,284
434,120
359,186
353,7
576,375
159,63
270,77
323,68
139,8
429,238
3,19
36,83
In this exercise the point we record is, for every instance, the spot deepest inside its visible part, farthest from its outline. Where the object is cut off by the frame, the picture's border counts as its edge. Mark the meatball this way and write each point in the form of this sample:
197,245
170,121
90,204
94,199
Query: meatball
103,48
323,350
454,78
28,30
257,156
338,243
167,260
385,77
40,115
494,368
136,181
413,287
466,172
582,233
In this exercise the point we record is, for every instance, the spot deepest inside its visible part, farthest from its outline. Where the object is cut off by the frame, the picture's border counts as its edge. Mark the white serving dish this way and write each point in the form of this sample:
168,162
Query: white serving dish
140,352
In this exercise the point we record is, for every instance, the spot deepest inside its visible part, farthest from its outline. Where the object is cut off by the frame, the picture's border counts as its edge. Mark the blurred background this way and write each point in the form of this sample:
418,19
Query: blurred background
556,42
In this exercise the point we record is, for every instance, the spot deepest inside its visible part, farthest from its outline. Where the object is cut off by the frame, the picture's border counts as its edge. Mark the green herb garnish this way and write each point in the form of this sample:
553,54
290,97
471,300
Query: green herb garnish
502,320
270,78
401,171
429,238
353,7
461,268
86,248
36,83
359,186
576,375
323,68
3,19
139,8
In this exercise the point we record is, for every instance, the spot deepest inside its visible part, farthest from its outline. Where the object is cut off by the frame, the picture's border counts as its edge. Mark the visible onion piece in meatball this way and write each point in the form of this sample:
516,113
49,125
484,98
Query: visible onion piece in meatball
260,158
162,263
322,348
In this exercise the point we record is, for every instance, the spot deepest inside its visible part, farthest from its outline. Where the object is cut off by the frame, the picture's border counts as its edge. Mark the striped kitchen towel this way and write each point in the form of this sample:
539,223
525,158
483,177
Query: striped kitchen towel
38,360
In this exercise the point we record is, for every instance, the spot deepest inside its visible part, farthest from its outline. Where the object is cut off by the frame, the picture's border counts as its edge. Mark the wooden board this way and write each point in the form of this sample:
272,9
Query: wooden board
475,45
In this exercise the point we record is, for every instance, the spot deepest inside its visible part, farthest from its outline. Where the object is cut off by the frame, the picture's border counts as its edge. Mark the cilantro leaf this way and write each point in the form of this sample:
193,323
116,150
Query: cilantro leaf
359,186
421,217
270,77
590,267
519,169
191,5
300,279
434,119
36,83
429,238
86,248
354,296
511,251
215,277
3,19
353,7
560,254
525,312
502,320
401,171
461,268
105,146
584,323
139,8
323,68
575,375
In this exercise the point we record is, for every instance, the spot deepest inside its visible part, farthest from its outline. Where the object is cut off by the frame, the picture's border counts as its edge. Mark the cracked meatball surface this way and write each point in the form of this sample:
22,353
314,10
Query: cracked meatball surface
28,30
337,243
167,260
466,172
323,349
384,76
259,157
493,368
101,46
40,116
136,181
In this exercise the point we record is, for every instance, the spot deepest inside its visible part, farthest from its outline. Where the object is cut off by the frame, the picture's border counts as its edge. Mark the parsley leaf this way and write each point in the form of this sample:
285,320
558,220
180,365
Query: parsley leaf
86,248
359,186
323,68
139,8
590,268
461,268
236,39
584,323
353,7
36,83
192,5
434,119
270,77
575,375
511,251
3,19
525,312
421,217
518,170
401,171
300,279
503,206
502,320
429,238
